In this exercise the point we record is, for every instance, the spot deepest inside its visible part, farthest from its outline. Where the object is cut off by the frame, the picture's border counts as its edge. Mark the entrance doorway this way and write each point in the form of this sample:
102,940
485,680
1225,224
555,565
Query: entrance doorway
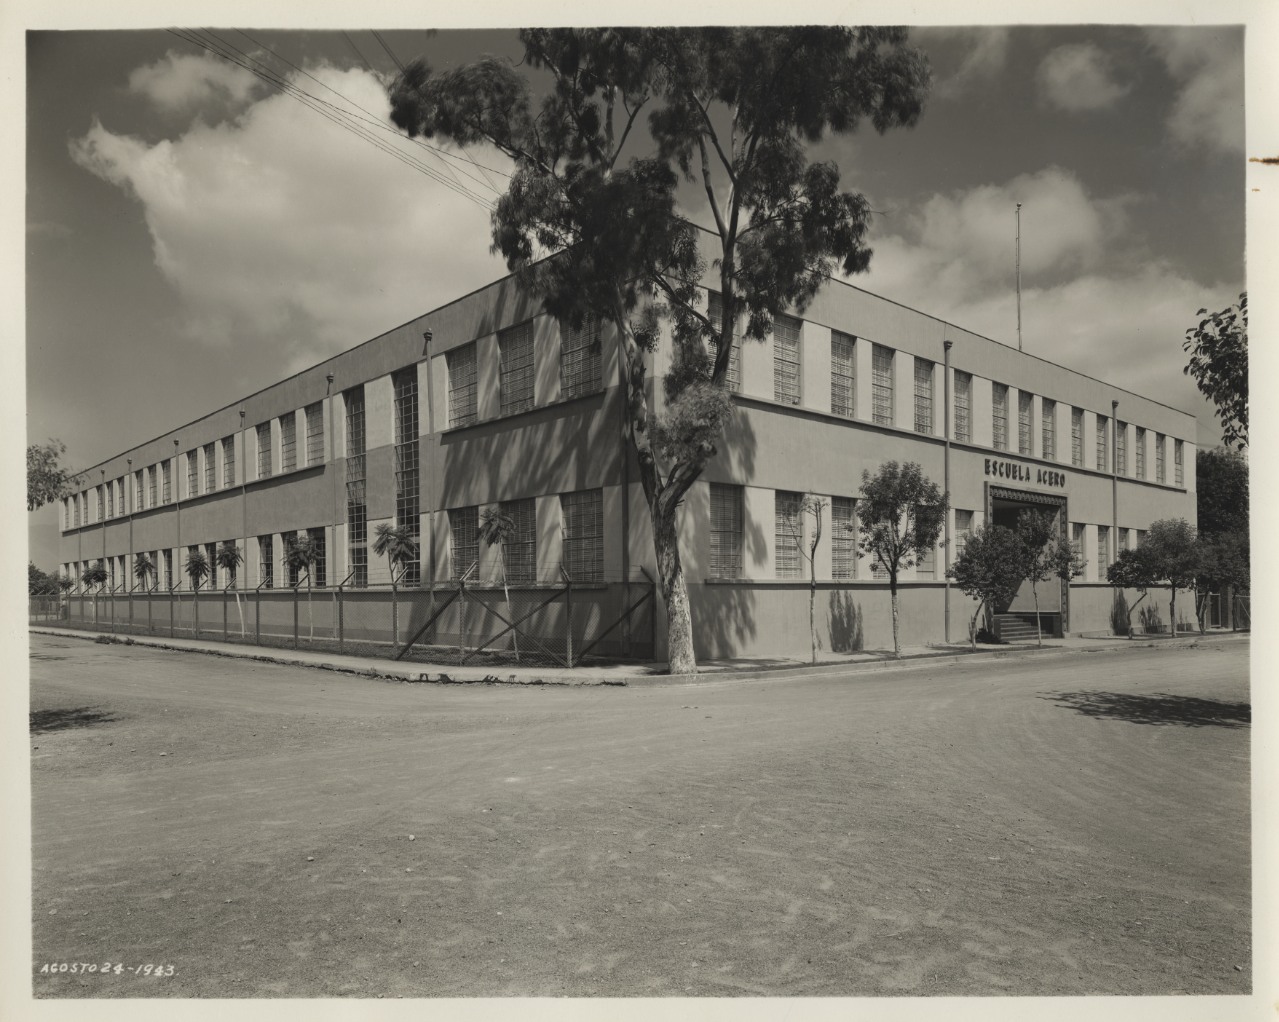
1005,507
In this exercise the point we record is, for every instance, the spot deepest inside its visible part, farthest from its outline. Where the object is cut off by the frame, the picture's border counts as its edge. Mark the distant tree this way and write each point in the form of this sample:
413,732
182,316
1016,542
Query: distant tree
399,547
733,109
901,514
46,479
1223,567
1218,349
300,555
1037,531
1221,490
1173,545
496,527
95,575
990,569
143,570
229,560
39,583
1134,569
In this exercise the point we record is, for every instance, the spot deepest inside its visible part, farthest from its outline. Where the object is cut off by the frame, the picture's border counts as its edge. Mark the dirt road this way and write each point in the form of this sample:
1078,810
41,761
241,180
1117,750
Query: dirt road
1065,825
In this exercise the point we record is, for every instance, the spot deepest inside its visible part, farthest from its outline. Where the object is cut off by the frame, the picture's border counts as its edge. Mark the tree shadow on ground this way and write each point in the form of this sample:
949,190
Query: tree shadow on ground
43,721
1187,711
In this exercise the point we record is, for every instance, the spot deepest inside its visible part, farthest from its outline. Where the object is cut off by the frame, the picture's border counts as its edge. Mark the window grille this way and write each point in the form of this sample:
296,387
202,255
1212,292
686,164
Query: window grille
110,500
1121,447
193,474
726,531
288,442
1160,468
1139,443
788,531
319,570
786,355
515,376
925,557
407,504
315,433
168,568
715,313
139,487
963,405
843,376
166,472
843,538
999,416
1025,427
1179,463
881,384
1077,436
878,569
462,385
151,487
211,555
1102,438
228,461
521,547
583,515
357,522
963,529
1123,541
1103,550
101,498
580,359
1077,535
266,561
264,450
923,396
1049,429
464,530
66,512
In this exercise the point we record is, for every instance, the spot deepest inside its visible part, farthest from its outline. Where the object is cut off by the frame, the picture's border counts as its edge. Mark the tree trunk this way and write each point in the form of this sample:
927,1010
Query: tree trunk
972,629
310,614
897,646
670,573
395,612
1039,631
239,608
812,619
1172,613
515,636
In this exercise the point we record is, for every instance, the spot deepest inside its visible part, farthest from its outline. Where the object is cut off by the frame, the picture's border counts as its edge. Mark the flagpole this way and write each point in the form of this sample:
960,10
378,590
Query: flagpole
1019,276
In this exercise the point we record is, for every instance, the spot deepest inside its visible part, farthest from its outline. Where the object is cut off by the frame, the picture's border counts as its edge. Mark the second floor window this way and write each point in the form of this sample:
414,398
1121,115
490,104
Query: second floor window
193,473
1077,436
1121,447
288,442
314,433
843,377
882,384
166,474
1025,428
264,450
999,416
515,375
923,396
963,405
580,359
1102,439
1049,429
210,467
1139,443
786,385
463,409
1179,463
1160,467
715,314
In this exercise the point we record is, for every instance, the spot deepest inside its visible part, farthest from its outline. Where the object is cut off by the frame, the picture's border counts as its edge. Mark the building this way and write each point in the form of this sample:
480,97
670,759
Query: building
488,400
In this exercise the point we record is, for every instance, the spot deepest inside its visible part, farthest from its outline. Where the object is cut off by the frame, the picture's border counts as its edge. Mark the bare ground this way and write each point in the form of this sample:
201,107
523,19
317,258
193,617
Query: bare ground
1059,825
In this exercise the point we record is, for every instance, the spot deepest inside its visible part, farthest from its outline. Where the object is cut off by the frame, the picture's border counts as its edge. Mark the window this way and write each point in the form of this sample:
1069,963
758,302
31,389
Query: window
319,570
357,518
583,516
881,384
1025,428
293,571
1077,436
1179,462
1103,550
726,531
786,387
843,376
140,493
266,561
462,386
963,529
580,359
288,442
1160,467
228,461
211,555
1141,536
110,500
788,532
715,313
925,558
923,396
315,434
521,546
151,490
264,450
1121,447
843,538
407,505
464,530
167,557
515,375
193,473
1140,444
210,467
963,405
101,498
166,472
1103,438
1048,427
1123,541
1077,535
999,416
66,512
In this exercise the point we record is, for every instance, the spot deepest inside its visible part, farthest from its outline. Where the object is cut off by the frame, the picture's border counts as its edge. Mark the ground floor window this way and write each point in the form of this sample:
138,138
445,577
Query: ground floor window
266,561
583,516
521,547
464,533
843,538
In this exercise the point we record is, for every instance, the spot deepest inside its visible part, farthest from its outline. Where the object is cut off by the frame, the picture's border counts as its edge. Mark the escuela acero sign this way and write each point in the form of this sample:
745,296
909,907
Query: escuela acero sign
1017,472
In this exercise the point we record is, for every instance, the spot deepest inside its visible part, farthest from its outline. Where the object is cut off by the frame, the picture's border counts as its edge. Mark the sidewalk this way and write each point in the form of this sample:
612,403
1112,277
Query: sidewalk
635,674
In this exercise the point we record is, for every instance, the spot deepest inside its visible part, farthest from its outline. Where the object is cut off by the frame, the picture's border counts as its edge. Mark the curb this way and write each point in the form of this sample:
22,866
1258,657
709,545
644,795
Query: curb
1098,645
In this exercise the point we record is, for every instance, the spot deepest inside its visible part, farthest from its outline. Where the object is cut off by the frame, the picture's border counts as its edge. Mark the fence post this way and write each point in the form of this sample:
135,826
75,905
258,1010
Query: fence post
150,626
173,600
568,615
257,616
224,634
295,617
337,598
111,612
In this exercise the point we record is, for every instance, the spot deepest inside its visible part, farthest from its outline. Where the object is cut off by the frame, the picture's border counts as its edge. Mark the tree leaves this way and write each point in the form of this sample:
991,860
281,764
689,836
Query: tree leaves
1218,349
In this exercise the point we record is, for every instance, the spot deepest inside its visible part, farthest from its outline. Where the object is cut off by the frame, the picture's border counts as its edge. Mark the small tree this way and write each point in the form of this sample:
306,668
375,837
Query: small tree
1036,530
990,569
1066,559
197,569
901,513
95,575
143,570
229,560
815,508
1134,569
398,547
1223,567
1172,544
495,528
1218,349
300,555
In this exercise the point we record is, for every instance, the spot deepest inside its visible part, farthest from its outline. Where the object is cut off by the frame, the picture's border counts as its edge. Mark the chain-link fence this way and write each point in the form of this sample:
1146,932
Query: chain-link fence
555,622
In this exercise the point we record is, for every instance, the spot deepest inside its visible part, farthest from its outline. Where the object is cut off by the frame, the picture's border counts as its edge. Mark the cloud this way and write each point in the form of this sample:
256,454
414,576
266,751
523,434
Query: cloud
179,81
282,228
1078,77
1207,65
985,52
1091,298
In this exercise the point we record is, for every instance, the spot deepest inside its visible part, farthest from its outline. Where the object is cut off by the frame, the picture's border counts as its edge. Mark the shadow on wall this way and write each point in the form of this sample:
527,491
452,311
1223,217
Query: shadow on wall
1119,614
1187,711
1151,622
723,620
844,623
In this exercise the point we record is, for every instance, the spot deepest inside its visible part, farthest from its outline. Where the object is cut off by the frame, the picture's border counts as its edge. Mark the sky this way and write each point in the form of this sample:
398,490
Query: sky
193,233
